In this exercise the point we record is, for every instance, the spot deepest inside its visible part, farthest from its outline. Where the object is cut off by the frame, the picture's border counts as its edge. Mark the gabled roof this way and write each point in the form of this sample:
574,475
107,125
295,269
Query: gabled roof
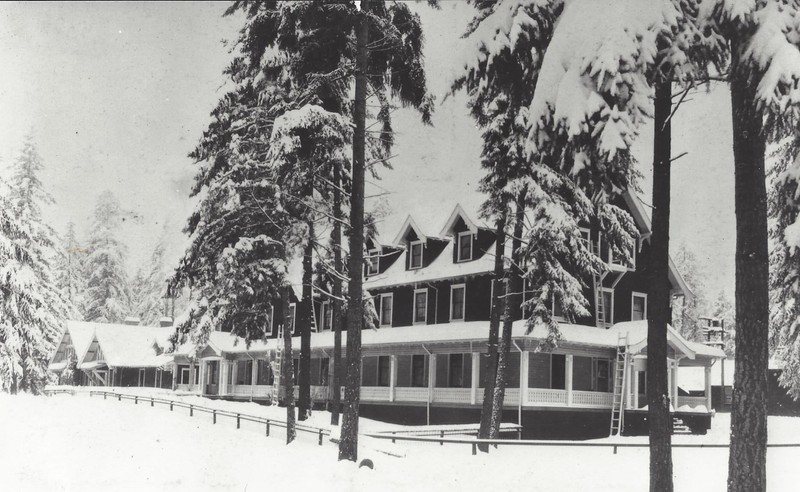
458,211
126,345
80,336
408,224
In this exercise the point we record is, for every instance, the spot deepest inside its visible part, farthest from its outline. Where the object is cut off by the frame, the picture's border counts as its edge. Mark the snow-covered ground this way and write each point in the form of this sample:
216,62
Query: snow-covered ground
77,443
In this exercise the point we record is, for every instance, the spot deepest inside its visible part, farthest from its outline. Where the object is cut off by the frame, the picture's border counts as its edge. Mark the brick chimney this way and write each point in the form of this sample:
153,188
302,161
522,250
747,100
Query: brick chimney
131,321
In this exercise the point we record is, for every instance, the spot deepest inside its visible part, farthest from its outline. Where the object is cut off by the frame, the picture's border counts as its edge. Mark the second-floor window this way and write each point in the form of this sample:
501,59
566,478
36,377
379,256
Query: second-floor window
270,320
605,306
464,246
638,306
373,262
421,306
325,316
415,254
386,309
457,296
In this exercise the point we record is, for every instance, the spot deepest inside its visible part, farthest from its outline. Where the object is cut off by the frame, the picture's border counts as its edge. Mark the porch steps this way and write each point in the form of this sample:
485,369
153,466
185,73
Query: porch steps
620,380
679,427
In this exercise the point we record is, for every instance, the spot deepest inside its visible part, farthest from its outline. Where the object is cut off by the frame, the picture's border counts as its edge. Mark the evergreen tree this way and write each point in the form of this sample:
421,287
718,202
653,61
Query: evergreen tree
32,308
686,314
149,288
107,291
70,270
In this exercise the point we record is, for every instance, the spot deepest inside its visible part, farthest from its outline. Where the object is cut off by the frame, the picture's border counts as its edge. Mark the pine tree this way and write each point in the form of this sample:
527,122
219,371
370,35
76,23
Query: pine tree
32,308
107,291
70,270
686,314
149,287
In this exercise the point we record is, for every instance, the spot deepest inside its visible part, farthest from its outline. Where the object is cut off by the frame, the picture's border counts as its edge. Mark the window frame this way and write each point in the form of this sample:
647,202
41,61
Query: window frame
379,373
587,241
461,235
391,312
450,373
411,246
425,382
640,295
611,262
188,372
373,254
596,374
553,310
271,322
463,302
606,321
414,320
293,309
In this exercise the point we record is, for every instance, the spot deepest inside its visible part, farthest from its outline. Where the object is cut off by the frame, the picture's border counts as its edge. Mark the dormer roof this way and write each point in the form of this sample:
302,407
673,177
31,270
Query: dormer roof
458,212
408,224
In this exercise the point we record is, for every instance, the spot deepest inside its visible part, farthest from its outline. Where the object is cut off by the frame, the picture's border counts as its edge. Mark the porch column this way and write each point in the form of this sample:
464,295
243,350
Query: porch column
431,376
628,384
476,375
202,379
524,360
175,377
254,377
635,388
392,376
568,379
708,387
669,383
223,377
675,384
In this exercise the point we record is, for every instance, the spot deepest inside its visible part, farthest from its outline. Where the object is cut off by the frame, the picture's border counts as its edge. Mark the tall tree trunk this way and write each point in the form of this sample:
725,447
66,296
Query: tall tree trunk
348,445
748,450
490,360
336,244
305,316
658,414
287,368
513,297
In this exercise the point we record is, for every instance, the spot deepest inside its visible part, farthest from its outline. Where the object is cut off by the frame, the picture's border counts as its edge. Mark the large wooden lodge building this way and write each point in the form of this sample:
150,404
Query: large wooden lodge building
432,291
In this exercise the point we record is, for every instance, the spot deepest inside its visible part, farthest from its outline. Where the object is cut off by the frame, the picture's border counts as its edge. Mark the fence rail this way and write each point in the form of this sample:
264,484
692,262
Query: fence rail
318,431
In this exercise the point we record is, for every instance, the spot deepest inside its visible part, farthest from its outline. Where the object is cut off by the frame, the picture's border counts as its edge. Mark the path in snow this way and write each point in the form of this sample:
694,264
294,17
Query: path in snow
67,443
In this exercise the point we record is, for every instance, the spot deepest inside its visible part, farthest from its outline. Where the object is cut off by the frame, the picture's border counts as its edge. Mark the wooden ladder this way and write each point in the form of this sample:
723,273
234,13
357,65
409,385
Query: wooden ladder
276,367
620,381
599,301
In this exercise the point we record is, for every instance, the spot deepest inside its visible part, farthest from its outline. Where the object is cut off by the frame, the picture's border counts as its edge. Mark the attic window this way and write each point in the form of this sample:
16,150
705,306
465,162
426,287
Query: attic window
373,262
464,246
415,254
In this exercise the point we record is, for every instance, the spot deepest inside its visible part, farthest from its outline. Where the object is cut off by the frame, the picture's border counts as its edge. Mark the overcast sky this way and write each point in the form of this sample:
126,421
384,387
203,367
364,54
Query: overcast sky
119,93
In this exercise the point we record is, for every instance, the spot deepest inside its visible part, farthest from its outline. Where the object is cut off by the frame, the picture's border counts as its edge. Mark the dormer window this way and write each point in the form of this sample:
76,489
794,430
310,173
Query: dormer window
415,255
464,246
373,262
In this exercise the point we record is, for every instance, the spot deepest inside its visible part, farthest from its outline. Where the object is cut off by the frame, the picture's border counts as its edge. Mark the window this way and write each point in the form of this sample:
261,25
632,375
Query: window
455,374
270,320
457,294
386,309
464,246
384,370
244,372
184,375
420,306
638,306
602,371
196,376
326,316
557,312
586,239
616,259
141,377
263,372
292,313
418,371
373,262
558,371
605,306
415,255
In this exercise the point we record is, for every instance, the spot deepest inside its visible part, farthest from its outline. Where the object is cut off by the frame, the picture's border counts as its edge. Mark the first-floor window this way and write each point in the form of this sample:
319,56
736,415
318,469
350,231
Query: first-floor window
420,306
455,374
386,309
244,372
263,372
384,370
602,372
418,371
324,368
141,377
558,371
638,306
457,295
184,375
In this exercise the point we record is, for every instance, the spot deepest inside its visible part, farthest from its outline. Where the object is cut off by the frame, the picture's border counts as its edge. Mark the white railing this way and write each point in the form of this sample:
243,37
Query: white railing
511,398
692,402
411,394
547,397
594,399
319,393
375,393
452,395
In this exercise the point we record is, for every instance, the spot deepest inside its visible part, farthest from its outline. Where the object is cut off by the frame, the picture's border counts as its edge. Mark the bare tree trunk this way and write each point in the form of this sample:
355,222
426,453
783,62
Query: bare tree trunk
348,445
658,414
513,288
748,450
305,315
336,244
490,361
287,368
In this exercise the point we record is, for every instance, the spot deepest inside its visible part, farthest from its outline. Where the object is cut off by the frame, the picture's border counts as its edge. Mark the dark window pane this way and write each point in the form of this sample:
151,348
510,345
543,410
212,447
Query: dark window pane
455,374
386,310
416,255
420,306
464,247
418,371
558,371
457,311
384,370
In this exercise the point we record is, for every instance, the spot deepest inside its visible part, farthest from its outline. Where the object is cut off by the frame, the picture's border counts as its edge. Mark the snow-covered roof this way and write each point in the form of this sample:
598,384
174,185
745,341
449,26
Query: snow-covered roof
408,224
127,345
441,268
458,211
80,336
